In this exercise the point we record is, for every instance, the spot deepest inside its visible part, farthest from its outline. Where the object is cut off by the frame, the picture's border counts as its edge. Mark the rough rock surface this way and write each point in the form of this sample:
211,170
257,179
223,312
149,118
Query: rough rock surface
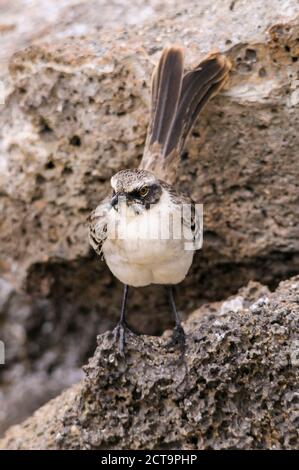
76,111
236,388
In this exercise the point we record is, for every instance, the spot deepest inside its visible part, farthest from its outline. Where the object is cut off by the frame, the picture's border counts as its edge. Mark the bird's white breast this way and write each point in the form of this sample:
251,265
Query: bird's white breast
142,249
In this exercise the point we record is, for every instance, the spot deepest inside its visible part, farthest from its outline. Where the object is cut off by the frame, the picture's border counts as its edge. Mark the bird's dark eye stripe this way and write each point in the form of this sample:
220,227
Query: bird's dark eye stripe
134,193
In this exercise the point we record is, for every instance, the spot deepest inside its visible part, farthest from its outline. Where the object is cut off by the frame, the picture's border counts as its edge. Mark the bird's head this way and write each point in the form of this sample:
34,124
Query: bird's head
136,190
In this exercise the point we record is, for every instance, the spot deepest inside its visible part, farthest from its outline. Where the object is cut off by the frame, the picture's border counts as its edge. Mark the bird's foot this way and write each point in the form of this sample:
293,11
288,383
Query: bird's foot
178,338
119,334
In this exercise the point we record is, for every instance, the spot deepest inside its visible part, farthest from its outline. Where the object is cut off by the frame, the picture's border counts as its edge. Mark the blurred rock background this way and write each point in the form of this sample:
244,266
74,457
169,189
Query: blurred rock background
75,82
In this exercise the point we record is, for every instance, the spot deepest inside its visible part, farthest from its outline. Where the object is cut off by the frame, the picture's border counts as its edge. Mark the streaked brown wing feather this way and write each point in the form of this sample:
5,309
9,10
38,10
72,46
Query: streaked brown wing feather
190,219
97,225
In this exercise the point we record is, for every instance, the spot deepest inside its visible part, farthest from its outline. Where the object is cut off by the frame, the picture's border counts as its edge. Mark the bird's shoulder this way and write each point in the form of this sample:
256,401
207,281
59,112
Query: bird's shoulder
97,224
191,215
176,196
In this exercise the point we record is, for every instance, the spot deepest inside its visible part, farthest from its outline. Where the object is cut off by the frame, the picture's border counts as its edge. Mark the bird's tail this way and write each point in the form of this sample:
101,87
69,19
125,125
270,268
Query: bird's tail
177,100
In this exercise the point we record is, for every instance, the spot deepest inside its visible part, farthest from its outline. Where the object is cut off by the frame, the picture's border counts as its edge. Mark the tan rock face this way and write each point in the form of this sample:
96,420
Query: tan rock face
76,111
237,387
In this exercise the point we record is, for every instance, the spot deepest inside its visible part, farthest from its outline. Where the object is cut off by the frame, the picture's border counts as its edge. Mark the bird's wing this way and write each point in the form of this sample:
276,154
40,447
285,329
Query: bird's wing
196,224
191,215
97,225
177,100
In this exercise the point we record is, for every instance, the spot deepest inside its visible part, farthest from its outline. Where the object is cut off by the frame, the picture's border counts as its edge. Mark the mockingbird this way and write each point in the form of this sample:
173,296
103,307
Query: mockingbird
145,229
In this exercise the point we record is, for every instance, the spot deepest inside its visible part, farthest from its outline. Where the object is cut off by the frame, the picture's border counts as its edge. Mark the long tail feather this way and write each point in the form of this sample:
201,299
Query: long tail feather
166,88
177,101
198,87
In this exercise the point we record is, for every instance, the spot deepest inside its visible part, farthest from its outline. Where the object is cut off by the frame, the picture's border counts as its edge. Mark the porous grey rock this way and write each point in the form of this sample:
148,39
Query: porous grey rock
237,387
76,111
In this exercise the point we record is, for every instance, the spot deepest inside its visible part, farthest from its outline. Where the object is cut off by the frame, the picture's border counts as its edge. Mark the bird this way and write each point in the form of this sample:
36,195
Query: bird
140,229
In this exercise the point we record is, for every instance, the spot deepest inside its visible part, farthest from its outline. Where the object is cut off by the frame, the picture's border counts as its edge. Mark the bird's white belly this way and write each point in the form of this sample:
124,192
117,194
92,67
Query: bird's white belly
148,263
140,256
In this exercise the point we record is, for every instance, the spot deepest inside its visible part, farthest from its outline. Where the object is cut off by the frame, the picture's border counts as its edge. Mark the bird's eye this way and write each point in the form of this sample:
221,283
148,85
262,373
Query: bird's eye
143,191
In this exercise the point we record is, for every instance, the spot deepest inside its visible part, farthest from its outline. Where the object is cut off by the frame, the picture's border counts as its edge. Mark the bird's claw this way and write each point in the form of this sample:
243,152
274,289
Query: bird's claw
178,338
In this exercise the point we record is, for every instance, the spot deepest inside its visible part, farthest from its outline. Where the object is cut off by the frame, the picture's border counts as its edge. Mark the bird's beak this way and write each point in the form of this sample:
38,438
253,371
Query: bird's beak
114,200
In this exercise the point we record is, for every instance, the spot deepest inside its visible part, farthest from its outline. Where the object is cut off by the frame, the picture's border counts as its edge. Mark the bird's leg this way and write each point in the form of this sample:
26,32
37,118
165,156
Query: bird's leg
178,336
121,327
